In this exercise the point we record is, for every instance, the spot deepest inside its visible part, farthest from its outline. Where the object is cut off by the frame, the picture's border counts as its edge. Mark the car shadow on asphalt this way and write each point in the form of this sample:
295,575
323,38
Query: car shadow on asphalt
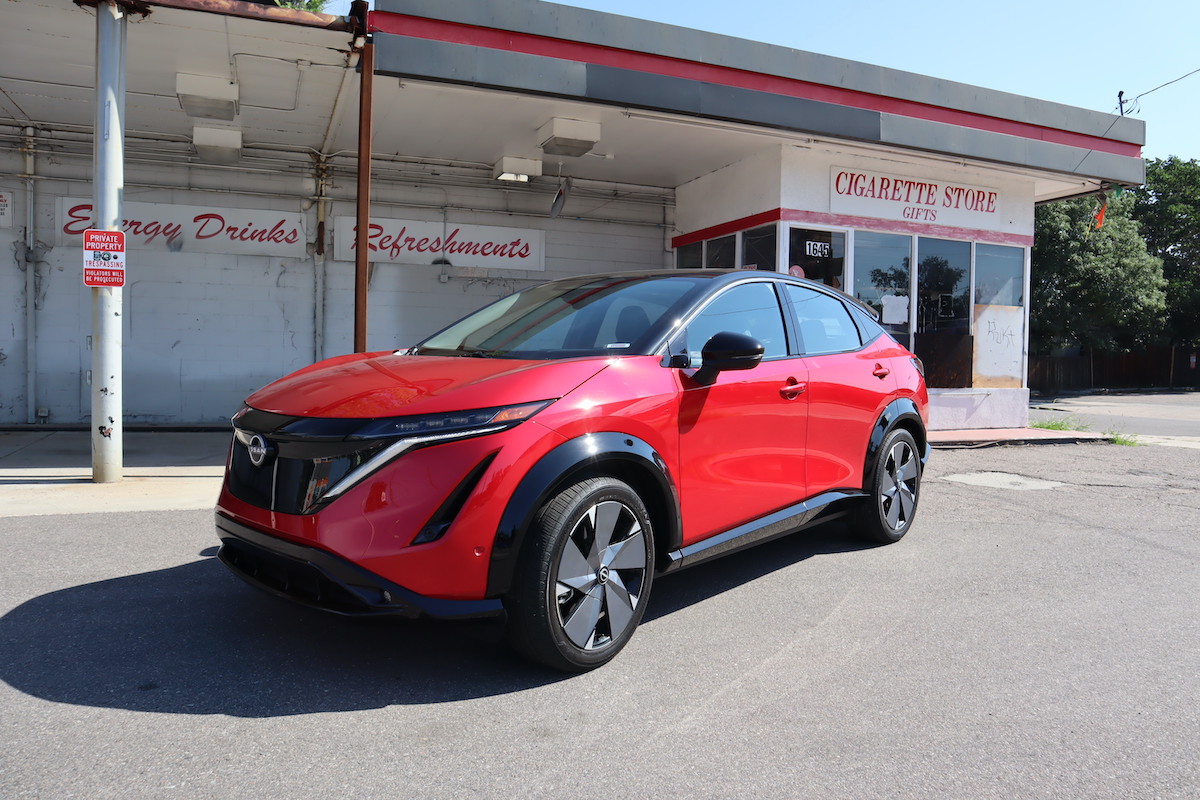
193,639
676,591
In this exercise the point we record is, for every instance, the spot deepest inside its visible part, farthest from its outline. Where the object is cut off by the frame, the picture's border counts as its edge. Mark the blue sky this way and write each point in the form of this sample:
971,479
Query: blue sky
1079,53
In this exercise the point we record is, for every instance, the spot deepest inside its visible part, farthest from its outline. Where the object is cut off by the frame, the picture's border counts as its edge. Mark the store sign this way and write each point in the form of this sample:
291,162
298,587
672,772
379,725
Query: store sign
401,241
6,209
196,229
896,197
103,258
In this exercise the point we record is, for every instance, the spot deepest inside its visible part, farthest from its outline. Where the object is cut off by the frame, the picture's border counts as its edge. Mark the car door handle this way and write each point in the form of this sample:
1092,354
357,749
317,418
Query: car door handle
881,371
792,389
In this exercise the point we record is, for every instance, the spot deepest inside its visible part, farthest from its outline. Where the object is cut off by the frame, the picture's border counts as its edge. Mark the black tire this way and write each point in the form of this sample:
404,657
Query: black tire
895,488
584,577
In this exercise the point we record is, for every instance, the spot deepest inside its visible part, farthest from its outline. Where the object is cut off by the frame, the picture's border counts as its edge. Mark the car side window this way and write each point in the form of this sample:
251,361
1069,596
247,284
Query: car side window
825,324
749,308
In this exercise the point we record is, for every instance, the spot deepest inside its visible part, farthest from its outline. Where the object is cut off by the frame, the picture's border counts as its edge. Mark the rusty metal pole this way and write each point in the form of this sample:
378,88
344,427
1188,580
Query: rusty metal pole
363,207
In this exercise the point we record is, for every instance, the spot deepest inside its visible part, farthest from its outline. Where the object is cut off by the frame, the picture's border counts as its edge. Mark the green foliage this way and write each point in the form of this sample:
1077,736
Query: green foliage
1167,209
1098,288
1067,423
1123,439
315,6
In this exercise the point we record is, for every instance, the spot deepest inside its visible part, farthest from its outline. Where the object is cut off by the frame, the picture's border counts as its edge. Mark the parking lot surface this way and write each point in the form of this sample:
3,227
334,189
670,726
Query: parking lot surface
1161,418
1023,640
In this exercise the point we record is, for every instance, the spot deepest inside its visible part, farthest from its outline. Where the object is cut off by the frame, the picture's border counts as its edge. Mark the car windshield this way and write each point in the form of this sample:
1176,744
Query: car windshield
609,315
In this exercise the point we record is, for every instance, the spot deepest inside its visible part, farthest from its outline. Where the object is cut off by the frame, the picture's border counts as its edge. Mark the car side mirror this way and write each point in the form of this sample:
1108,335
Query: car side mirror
728,351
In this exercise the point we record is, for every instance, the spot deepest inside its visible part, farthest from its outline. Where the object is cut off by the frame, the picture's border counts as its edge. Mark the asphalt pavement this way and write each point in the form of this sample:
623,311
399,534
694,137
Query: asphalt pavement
1036,635
1164,418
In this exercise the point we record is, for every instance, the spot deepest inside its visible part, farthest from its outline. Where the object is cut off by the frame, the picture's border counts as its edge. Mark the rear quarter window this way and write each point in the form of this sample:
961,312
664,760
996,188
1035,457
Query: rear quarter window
824,322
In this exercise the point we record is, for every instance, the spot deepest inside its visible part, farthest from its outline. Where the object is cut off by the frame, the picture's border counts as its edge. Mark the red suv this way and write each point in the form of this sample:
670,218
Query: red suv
548,456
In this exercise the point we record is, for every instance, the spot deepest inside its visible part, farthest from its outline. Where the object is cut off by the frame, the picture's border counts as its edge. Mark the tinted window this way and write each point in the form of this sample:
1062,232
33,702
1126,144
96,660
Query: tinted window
868,327
825,324
749,308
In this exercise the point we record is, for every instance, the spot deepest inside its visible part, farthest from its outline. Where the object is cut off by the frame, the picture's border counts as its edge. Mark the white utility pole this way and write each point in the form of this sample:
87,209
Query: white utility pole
109,185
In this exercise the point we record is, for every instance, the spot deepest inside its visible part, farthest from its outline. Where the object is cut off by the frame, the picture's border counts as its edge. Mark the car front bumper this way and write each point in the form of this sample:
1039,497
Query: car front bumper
322,580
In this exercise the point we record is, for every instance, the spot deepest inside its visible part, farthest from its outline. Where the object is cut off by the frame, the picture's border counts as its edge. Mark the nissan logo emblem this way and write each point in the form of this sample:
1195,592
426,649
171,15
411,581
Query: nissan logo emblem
258,450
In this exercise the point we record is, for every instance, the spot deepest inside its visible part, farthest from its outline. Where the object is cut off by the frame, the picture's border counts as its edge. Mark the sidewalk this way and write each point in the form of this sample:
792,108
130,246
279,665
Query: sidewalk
50,472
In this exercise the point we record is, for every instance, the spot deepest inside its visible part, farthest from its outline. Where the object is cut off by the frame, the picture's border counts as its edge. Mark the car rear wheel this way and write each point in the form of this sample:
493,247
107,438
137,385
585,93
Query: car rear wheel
895,488
584,577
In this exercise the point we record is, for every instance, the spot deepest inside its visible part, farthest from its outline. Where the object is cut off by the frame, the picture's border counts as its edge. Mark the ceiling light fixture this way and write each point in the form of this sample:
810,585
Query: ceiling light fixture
516,170
568,137
217,145
206,97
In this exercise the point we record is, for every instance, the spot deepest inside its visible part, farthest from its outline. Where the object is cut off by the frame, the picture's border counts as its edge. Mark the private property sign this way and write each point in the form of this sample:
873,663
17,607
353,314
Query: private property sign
103,258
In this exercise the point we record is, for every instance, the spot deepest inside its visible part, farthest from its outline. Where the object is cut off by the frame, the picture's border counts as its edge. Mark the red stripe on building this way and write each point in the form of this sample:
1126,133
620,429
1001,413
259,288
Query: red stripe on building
530,44
850,221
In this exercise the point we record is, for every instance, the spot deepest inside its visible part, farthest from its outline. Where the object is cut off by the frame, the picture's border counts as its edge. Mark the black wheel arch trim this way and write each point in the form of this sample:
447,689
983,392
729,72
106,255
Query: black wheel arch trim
901,411
606,452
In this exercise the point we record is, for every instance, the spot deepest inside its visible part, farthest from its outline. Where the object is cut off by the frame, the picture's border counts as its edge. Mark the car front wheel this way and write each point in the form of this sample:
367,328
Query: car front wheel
584,578
895,487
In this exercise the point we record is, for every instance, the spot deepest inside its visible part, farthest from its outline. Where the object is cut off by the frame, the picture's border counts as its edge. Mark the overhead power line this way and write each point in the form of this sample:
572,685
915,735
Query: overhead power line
1122,102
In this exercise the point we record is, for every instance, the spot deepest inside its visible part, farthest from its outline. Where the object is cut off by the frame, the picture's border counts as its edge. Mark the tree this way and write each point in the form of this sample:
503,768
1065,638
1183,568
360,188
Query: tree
1168,210
1093,287
316,6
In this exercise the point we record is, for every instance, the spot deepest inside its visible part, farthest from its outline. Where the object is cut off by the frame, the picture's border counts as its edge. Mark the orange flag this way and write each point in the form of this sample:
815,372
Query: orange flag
1100,214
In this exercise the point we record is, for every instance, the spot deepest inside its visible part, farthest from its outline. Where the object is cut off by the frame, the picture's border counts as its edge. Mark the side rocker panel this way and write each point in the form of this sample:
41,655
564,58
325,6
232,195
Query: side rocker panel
618,453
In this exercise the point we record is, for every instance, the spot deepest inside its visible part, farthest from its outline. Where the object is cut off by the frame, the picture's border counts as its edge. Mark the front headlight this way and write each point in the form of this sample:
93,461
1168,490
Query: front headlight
407,433
453,423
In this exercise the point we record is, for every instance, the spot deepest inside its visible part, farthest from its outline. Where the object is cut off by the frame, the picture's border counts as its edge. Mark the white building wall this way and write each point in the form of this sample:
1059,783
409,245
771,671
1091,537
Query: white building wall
203,330
751,186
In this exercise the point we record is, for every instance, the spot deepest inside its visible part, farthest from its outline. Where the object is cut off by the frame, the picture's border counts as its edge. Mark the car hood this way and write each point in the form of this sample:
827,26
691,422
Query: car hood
372,385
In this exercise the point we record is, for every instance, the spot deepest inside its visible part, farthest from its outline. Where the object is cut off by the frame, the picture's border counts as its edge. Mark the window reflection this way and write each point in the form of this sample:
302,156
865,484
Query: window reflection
758,248
720,253
944,278
942,337
818,255
882,278
999,275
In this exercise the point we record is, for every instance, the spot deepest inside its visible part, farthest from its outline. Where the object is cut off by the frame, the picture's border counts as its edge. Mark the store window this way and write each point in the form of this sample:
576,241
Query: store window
999,275
758,248
999,316
690,256
942,337
818,255
883,278
721,253
944,278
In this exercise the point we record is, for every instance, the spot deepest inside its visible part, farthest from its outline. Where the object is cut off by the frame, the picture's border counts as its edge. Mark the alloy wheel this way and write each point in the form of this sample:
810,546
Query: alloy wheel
898,495
600,574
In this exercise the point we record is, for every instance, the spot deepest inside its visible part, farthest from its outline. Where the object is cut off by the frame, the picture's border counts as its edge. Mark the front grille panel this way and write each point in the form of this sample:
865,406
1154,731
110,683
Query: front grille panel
298,469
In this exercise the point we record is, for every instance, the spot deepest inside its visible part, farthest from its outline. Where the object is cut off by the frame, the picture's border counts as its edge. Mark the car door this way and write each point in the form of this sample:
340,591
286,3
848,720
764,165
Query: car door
849,385
742,436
